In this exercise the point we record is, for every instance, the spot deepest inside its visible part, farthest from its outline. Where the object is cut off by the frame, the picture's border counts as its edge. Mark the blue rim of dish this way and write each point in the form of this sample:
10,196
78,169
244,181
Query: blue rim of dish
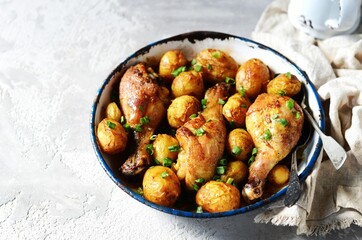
192,37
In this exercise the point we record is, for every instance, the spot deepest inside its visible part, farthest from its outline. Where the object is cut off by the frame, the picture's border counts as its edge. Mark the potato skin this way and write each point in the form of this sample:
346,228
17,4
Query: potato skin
237,170
188,83
240,138
284,84
160,146
235,109
181,109
110,140
113,111
159,189
279,175
216,65
253,76
218,197
170,61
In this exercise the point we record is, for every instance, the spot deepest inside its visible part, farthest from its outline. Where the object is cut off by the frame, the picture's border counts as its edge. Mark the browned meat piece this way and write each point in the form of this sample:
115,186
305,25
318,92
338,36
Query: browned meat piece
144,105
275,124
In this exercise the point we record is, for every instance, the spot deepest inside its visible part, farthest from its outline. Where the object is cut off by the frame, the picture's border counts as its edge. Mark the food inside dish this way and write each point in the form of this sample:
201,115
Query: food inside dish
204,135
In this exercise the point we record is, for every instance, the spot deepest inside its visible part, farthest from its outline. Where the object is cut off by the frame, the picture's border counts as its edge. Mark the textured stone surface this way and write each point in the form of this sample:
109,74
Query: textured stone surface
54,56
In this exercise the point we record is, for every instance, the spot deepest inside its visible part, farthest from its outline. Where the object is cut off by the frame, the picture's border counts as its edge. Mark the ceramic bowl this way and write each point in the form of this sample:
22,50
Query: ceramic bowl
241,49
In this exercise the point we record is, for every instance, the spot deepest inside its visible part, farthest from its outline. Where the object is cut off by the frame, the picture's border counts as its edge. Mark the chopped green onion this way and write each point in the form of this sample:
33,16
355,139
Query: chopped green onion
288,75
144,120
193,62
244,106
200,180
242,91
223,162
197,67
251,160
140,191
221,102
199,209
153,137
195,187
230,80
157,162
149,149
192,116
254,151
138,128
281,92
208,66
199,132
174,148
164,174
127,126
220,170
267,135
290,104
216,54
236,151
111,124
275,116
122,120
297,114
178,71
216,177
283,121
141,108
167,162
230,180
203,103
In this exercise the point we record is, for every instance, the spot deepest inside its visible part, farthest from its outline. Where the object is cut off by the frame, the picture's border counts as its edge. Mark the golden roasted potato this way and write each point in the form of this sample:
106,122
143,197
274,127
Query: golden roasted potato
188,83
181,109
252,78
171,61
235,109
218,197
161,186
285,85
113,112
279,175
112,137
239,144
237,170
215,65
165,148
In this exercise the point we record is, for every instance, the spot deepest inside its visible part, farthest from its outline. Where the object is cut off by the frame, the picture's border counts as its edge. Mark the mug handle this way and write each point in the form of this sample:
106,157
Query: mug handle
347,15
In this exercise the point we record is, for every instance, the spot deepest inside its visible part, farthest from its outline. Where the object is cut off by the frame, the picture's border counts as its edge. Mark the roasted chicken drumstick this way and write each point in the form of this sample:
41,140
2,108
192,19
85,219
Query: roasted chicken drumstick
275,125
144,104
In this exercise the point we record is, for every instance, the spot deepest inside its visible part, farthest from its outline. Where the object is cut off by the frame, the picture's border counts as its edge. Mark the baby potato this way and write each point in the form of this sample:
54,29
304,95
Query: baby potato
279,175
239,144
218,197
170,61
165,147
161,186
181,109
113,111
188,83
235,109
215,65
237,170
284,84
112,137
252,78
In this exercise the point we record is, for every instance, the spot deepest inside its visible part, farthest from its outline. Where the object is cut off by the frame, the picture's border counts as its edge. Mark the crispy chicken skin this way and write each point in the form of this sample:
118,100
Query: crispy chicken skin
275,125
141,97
199,155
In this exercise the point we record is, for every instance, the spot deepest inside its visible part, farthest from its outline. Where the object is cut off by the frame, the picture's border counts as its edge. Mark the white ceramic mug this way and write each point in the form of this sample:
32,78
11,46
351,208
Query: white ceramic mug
325,18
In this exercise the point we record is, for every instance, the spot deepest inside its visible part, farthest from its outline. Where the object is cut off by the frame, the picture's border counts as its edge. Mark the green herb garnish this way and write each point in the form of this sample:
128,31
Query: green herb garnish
144,120
290,104
203,103
221,102
283,121
208,66
242,91
195,187
199,209
230,180
149,149
167,162
153,137
216,54
178,71
174,148
164,174
199,132
281,92
230,80
267,135
236,151
192,116
288,75
220,170
223,162
200,180
111,125
197,67
193,62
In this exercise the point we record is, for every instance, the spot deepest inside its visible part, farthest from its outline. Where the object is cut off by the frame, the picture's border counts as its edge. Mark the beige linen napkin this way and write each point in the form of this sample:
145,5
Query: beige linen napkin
331,199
